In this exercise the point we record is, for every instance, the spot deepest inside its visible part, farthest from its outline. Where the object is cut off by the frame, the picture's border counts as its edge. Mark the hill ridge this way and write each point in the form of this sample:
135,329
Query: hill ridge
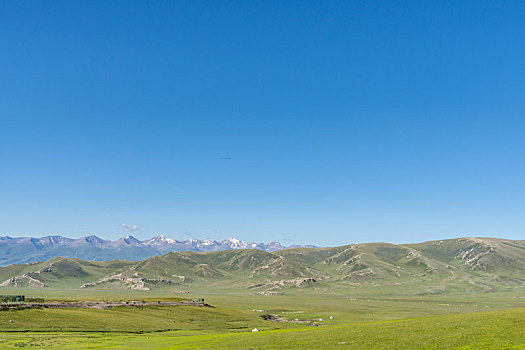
430,267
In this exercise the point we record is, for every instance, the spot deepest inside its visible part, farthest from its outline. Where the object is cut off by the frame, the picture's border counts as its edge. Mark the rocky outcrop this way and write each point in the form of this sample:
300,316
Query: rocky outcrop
297,282
138,283
22,281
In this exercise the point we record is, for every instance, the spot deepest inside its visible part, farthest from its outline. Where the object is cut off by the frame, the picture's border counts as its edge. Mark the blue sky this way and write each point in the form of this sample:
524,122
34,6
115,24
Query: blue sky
345,121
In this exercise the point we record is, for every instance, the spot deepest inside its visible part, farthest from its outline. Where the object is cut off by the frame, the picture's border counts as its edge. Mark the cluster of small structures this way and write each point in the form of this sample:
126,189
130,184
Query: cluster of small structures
5,299
276,318
20,301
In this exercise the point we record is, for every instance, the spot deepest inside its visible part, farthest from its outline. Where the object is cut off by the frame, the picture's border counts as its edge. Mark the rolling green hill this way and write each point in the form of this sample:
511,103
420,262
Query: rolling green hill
447,266
477,254
60,272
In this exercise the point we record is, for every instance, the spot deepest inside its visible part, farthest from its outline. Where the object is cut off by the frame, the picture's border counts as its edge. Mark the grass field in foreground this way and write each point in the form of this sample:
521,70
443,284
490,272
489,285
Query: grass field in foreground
485,330
134,320
361,321
234,313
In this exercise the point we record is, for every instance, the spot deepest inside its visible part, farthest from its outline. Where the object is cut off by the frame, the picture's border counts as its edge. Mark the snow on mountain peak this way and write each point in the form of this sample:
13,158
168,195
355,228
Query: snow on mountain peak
161,239
207,244
234,243
208,241
130,240
123,248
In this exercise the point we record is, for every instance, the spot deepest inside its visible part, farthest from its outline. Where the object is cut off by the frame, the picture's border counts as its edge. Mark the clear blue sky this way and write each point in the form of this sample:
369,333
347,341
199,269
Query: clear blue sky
347,121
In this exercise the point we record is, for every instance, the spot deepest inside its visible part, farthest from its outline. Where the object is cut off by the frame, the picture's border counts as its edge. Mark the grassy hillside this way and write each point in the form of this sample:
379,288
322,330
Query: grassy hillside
477,254
60,272
448,266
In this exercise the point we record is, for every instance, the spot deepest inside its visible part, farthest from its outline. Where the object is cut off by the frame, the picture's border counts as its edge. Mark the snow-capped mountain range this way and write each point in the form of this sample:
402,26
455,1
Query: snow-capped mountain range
19,250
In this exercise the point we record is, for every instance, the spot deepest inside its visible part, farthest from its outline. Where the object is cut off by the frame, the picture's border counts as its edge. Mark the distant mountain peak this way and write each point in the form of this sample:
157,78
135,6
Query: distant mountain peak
160,239
130,240
208,241
128,247
92,239
234,243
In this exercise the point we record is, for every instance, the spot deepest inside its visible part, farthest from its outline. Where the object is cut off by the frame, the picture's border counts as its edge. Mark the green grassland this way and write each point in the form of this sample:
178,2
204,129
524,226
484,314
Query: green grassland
132,319
485,320
487,330
462,293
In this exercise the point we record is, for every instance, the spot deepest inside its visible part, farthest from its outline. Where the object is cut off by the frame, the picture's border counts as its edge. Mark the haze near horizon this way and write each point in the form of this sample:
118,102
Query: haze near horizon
322,123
